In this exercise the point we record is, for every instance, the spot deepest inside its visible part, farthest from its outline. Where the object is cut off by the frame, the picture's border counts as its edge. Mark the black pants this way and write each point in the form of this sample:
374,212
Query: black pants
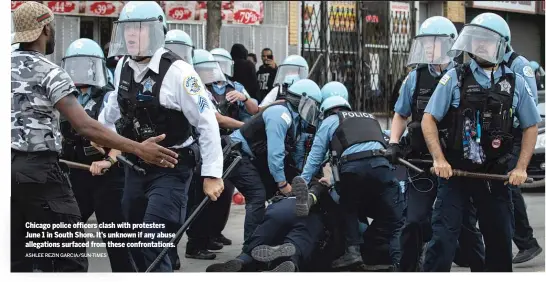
40,194
102,195
213,219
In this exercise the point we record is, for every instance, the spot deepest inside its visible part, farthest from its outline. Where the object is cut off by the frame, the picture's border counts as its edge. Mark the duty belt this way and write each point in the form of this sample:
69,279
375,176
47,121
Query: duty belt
360,155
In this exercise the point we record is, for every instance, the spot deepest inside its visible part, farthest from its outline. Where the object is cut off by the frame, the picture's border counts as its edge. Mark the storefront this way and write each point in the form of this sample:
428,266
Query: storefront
256,24
526,21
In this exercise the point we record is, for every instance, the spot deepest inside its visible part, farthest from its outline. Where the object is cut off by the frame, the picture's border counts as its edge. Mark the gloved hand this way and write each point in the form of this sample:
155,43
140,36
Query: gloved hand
393,152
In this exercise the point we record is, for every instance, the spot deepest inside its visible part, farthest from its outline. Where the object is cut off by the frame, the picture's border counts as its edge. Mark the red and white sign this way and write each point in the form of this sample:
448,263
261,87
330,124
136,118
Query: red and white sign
104,8
63,7
247,12
181,11
16,4
239,12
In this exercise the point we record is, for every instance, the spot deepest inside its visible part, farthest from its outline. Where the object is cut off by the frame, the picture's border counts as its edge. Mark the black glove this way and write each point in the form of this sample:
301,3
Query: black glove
393,152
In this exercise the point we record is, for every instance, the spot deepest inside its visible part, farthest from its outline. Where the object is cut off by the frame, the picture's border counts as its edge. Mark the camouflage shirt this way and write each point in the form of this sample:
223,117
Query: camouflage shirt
36,86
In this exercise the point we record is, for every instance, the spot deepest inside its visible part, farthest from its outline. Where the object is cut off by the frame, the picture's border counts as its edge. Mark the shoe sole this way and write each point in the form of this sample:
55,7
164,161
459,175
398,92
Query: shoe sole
286,266
534,255
228,266
265,253
299,189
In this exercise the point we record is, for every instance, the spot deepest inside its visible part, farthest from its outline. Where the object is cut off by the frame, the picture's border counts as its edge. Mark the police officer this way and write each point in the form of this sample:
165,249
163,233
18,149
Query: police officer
180,43
539,74
480,100
355,140
205,233
84,62
248,104
266,167
292,69
40,192
157,92
429,51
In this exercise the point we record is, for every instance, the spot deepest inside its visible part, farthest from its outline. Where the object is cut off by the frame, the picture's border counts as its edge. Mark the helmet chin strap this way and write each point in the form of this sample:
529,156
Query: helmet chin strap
482,63
139,59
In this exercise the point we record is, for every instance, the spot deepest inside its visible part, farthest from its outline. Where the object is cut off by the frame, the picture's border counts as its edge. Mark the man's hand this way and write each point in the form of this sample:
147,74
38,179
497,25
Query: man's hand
286,190
325,181
393,153
152,153
442,168
97,167
213,187
235,95
271,63
517,176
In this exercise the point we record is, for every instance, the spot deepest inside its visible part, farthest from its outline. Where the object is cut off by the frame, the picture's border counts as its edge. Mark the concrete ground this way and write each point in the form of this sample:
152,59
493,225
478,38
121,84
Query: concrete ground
234,231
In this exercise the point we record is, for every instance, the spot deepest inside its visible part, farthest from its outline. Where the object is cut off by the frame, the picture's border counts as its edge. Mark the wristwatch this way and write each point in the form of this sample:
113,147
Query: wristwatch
210,177
108,158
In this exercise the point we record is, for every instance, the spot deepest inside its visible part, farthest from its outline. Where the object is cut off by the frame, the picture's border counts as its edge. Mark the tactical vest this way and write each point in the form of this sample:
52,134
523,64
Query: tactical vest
355,128
511,59
495,115
76,147
254,133
281,91
223,106
145,117
424,88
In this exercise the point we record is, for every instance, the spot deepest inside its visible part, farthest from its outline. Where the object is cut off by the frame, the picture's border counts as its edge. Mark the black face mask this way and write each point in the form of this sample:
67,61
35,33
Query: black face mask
50,44
481,62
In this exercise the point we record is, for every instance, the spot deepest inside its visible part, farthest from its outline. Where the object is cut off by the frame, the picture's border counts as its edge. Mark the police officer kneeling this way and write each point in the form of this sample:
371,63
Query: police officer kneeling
158,93
84,62
364,175
481,100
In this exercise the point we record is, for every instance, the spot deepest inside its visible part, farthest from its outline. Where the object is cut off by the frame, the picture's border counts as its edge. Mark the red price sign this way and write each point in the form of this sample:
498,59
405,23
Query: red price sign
16,4
61,6
179,13
223,16
246,16
102,8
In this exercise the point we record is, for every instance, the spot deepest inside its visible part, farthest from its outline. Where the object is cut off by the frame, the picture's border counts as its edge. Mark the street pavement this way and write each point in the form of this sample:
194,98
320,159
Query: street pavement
234,231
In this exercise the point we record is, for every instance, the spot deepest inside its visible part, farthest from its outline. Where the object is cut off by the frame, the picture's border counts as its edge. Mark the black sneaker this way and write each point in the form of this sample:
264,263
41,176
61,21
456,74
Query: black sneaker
214,245
299,189
265,253
223,240
287,266
201,254
527,255
234,265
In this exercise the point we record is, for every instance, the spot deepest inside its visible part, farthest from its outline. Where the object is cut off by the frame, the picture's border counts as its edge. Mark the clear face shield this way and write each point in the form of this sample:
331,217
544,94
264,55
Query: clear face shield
86,70
309,110
184,51
209,72
136,38
485,44
225,64
289,74
430,49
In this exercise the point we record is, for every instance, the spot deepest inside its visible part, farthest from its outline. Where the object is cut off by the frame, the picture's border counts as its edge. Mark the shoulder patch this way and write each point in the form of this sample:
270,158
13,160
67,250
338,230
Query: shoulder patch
193,85
445,79
286,118
528,71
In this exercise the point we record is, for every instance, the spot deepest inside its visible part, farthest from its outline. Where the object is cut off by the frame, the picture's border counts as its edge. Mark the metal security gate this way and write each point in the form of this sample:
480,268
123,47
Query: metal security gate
363,45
